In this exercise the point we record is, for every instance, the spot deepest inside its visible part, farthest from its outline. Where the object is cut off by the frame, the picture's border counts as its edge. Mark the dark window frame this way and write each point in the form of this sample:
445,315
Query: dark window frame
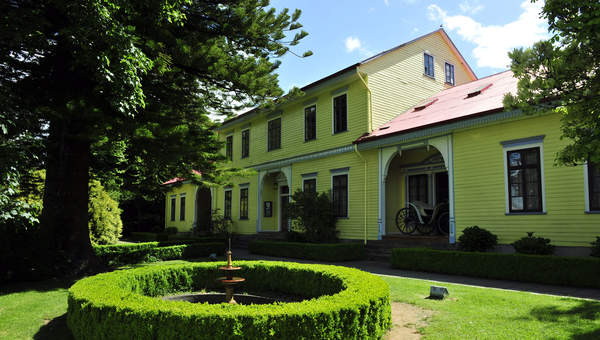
182,208
339,194
229,147
173,208
340,113
449,70
228,197
244,203
274,134
312,184
592,181
525,186
428,65
310,123
245,143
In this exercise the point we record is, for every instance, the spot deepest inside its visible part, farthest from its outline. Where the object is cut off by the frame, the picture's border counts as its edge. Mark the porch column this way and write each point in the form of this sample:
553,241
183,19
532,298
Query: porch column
445,147
261,177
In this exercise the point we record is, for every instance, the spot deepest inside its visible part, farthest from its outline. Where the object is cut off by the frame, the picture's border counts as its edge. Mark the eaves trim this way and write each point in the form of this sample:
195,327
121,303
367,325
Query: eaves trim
307,157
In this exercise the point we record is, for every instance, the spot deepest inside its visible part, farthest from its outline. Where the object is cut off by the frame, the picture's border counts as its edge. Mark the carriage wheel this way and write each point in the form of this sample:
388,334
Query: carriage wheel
443,223
425,228
406,221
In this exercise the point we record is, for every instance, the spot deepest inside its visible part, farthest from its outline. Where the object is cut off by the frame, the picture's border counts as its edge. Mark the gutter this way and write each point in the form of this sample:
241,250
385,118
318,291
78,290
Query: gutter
364,190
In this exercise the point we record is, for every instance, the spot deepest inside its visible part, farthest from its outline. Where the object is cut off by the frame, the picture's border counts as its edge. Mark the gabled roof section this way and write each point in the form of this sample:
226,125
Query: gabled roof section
450,105
352,68
177,179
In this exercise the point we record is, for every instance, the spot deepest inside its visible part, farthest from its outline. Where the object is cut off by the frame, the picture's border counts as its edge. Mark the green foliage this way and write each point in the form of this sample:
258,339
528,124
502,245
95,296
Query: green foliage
104,216
556,270
312,214
561,74
220,225
117,255
533,245
476,239
596,247
345,303
312,251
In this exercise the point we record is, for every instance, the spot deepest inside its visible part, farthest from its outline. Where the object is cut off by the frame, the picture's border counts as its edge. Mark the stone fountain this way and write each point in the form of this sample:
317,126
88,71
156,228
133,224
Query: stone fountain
229,281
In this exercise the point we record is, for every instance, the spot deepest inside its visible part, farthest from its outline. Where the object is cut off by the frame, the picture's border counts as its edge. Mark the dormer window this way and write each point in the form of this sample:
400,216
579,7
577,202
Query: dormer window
479,90
429,69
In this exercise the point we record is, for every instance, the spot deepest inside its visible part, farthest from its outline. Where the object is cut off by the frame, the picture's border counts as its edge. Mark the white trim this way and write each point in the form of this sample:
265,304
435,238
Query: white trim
519,146
342,173
304,121
345,92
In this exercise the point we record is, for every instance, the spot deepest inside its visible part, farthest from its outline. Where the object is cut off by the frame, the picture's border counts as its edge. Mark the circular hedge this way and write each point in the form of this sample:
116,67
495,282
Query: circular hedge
340,303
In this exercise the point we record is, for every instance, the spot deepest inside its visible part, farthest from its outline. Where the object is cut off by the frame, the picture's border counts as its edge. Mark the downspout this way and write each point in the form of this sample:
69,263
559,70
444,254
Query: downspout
365,189
369,105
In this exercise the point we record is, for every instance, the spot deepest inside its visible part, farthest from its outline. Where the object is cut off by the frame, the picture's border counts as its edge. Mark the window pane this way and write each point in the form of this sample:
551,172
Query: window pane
244,203
594,185
227,209
310,123
514,158
182,209
531,157
517,203
245,143
340,122
229,148
274,134
173,202
340,195
310,185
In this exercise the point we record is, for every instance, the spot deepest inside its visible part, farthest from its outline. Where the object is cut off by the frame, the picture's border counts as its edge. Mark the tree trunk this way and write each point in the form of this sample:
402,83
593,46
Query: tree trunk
64,221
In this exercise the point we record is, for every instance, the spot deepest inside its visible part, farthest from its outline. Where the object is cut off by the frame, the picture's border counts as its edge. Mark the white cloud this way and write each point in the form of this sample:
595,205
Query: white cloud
386,2
493,41
352,44
470,7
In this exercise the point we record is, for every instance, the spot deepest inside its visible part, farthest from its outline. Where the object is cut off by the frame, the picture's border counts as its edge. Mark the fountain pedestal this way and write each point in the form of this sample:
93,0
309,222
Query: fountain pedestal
229,281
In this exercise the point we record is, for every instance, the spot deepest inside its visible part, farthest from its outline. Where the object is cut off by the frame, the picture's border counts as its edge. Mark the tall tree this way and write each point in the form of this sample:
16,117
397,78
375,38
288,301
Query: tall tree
146,73
563,73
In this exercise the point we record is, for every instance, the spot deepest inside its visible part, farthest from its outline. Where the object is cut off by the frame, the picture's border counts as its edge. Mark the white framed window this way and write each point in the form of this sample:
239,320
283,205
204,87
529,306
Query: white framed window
339,191
173,207
309,182
524,184
227,204
229,147
274,134
449,70
245,143
340,113
429,65
310,122
182,207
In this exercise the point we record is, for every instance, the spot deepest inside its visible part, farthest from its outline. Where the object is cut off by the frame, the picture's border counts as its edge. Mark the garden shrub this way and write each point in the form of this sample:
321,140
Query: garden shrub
104,216
476,239
557,270
118,255
533,245
219,224
596,247
312,214
311,251
345,303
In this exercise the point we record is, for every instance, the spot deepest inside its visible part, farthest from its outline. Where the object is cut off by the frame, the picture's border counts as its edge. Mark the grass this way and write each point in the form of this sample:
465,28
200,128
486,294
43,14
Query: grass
484,313
37,311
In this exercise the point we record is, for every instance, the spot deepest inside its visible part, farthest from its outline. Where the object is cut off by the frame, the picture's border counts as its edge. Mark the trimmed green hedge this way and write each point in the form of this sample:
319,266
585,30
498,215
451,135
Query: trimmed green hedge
311,251
120,254
147,236
557,270
341,303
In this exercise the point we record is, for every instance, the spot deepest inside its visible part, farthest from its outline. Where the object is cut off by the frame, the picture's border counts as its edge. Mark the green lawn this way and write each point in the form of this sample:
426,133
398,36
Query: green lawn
38,311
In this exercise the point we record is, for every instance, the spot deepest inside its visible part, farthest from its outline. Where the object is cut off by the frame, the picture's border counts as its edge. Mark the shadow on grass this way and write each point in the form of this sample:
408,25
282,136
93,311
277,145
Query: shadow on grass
55,329
38,286
586,312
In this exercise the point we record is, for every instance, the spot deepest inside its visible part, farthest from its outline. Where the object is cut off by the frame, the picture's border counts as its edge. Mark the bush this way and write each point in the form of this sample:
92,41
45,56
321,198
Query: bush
313,215
476,239
104,216
596,247
557,270
219,225
533,245
345,303
152,252
311,251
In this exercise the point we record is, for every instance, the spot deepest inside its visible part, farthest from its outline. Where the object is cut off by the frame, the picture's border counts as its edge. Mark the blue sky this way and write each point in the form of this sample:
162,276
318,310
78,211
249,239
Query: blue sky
342,33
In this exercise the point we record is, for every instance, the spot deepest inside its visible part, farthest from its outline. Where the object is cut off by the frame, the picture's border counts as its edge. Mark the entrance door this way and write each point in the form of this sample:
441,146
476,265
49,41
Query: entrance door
284,199
203,205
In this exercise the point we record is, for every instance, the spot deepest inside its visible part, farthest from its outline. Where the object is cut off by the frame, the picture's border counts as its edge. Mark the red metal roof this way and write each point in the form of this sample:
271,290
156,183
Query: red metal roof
481,96
177,179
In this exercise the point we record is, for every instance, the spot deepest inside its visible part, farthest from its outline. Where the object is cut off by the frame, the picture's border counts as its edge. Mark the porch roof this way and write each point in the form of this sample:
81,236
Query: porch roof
478,97
178,179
